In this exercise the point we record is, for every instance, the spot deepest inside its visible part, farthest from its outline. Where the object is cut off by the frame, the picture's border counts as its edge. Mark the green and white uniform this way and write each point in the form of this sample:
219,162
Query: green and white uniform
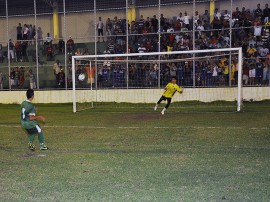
28,109
31,126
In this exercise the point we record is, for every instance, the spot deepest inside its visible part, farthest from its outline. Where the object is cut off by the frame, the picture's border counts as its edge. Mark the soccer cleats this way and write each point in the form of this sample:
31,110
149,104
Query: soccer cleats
43,147
163,111
31,146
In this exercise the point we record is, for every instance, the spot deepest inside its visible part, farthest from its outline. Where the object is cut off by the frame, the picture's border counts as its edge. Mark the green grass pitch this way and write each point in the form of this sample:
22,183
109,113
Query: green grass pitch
189,154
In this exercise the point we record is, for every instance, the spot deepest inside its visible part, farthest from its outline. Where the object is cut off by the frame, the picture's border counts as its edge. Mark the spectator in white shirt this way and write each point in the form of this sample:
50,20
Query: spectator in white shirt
226,16
264,51
25,32
141,49
200,28
48,41
180,17
196,18
257,30
217,14
178,37
186,20
170,29
11,51
100,29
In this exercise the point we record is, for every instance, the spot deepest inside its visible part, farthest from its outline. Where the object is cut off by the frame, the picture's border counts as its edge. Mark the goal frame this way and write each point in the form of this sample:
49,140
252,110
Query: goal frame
240,67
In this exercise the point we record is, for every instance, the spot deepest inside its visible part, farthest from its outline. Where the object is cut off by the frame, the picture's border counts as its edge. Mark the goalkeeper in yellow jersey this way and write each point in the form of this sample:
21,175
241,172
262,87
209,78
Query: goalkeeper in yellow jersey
169,92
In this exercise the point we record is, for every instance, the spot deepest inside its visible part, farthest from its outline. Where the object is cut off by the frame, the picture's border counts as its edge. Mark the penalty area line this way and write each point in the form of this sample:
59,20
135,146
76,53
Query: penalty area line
138,127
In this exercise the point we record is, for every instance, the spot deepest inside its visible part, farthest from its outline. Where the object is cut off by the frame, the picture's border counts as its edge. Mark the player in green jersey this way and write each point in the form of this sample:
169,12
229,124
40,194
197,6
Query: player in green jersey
29,121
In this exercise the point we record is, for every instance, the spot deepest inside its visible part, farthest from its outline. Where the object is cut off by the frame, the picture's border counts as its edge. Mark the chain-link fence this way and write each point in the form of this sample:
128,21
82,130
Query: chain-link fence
40,37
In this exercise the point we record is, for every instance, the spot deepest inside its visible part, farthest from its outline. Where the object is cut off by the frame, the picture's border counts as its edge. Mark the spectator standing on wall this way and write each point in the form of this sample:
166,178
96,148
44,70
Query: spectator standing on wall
217,14
186,19
162,22
12,78
109,27
39,35
48,40
19,32
100,29
180,17
141,24
266,14
25,32
258,13
205,17
11,51
154,24
236,14
34,32
61,46
17,77
30,34
22,77
32,79
18,49
70,46
196,18
226,16
56,70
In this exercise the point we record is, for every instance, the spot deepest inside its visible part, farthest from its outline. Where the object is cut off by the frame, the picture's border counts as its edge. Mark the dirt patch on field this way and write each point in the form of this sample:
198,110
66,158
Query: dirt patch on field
28,155
141,117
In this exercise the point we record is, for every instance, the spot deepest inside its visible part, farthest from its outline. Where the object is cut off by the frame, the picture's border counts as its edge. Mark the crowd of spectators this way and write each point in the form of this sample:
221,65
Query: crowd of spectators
249,30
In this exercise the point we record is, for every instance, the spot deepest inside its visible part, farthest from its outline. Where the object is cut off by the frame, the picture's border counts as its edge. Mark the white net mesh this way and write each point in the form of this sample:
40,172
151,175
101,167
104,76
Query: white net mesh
140,78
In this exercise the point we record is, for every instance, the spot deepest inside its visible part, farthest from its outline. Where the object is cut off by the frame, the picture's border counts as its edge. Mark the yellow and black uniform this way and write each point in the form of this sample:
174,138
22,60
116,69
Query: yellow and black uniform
169,92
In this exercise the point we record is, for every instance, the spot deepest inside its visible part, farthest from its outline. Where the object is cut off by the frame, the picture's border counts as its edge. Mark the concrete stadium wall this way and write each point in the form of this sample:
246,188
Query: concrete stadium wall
82,24
136,95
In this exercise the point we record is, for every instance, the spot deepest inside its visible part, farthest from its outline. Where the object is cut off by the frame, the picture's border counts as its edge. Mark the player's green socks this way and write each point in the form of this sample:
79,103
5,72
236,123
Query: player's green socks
41,138
31,138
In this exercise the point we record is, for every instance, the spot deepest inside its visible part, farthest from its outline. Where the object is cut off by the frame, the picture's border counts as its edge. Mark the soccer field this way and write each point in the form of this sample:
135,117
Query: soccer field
136,154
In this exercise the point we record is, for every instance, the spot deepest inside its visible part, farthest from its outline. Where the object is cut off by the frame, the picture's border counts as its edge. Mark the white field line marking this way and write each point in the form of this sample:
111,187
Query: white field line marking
137,127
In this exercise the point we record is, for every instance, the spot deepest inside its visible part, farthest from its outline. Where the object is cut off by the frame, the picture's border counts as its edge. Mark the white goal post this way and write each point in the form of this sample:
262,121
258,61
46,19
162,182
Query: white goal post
94,58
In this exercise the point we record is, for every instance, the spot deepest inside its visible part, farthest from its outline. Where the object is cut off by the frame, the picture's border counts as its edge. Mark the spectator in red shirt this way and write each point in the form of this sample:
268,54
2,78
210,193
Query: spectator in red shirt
18,49
178,25
49,52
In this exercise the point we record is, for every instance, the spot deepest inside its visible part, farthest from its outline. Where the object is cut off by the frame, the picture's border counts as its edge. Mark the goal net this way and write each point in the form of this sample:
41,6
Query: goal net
211,77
